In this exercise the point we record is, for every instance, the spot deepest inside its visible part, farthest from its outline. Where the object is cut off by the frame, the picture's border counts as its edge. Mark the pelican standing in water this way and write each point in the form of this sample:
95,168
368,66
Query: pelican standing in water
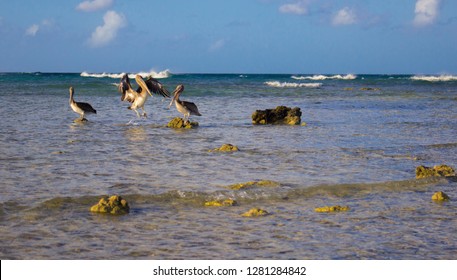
185,107
80,107
139,97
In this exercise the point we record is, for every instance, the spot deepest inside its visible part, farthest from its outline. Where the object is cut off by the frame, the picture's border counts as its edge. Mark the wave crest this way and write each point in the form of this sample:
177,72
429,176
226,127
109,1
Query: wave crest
441,78
324,77
157,75
278,84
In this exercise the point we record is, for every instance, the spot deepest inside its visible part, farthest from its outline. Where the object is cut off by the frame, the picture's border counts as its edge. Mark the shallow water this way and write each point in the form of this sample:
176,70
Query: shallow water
358,148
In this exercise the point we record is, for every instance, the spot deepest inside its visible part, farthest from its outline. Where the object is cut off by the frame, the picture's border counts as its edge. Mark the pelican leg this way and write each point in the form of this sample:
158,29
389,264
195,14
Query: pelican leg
138,114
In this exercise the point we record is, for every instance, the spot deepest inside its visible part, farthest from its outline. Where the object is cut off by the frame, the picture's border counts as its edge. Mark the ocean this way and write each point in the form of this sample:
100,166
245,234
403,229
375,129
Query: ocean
361,138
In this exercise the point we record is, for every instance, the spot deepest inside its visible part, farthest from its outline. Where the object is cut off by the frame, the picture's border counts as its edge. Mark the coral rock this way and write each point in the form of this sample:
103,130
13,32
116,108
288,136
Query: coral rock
226,148
219,203
262,183
255,212
280,115
113,205
180,123
436,171
327,209
440,196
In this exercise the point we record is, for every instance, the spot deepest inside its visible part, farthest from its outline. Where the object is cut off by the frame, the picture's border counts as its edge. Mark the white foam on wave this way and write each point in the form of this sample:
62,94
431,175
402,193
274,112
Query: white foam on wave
157,75
441,78
324,77
278,84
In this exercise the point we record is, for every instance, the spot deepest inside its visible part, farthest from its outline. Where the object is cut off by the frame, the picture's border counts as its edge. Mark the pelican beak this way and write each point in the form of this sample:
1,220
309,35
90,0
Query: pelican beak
172,100
142,84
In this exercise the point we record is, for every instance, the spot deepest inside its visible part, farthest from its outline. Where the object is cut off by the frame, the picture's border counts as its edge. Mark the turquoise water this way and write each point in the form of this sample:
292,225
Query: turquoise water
363,138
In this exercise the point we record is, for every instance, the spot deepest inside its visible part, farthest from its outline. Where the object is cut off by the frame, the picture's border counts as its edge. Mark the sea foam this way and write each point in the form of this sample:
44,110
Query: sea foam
157,75
324,77
278,84
441,78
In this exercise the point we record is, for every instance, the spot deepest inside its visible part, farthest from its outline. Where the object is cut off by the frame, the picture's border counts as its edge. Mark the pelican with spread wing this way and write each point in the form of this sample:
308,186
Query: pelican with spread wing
139,97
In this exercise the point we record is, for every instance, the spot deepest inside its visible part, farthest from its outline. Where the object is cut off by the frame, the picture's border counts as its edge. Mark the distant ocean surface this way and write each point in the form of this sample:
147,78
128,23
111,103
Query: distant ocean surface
361,140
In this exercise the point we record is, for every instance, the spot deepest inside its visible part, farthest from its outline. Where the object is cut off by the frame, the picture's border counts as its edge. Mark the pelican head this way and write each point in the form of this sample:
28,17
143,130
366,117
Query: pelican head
179,89
72,91
139,80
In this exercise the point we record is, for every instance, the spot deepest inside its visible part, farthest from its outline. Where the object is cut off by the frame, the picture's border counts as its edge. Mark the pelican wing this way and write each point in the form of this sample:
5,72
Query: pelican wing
86,107
191,107
156,87
126,89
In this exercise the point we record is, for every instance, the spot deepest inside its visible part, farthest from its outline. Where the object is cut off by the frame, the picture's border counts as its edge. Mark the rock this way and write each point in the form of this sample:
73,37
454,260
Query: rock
180,123
435,171
370,89
262,183
255,212
79,120
113,205
327,209
226,148
219,203
280,115
440,196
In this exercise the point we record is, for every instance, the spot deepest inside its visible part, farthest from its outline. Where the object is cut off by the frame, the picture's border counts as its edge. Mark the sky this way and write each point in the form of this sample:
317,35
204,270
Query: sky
230,36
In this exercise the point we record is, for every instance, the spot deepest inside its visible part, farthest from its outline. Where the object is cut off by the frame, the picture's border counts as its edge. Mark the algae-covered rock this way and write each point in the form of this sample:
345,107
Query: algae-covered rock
226,148
180,123
255,212
370,89
261,183
436,171
279,115
112,205
219,203
440,196
327,209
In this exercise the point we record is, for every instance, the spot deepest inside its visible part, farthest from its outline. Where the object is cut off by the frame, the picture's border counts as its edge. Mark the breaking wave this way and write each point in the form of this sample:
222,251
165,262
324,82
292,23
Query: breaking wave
157,75
441,78
324,77
293,85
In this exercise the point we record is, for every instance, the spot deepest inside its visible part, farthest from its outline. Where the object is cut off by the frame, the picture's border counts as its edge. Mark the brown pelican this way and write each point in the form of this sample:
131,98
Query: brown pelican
139,97
184,107
80,107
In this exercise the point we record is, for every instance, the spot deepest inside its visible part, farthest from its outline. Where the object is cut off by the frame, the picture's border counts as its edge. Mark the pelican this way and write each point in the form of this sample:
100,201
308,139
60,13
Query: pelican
139,97
80,107
184,107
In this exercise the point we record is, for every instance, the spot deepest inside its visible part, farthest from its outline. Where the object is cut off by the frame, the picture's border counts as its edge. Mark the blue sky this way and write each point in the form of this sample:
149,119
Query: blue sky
230,36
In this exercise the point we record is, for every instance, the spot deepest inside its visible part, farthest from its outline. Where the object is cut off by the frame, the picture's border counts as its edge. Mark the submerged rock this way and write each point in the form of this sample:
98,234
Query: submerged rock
113,205
327,209
226,148
262,183
280,115
180,123
255,212
440,196
370,89
219,203
435,171
79,120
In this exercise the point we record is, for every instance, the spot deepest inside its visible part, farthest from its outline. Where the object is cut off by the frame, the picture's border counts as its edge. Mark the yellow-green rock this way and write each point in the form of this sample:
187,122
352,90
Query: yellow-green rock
220,203
112,205
279,115
180,123
226,148
327,209
440,196
261,183
436,171
255,212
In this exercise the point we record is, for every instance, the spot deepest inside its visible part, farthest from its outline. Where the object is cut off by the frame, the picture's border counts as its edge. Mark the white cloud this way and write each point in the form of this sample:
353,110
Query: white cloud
32,30
107,32
345,16
426,12
94,5
298,8
219,44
